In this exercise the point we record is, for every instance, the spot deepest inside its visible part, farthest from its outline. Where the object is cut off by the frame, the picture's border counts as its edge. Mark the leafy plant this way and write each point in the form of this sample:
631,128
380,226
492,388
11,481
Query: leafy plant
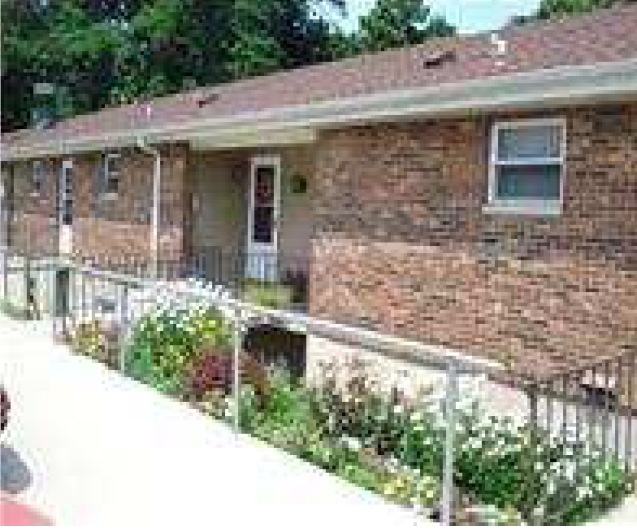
286,419
272,295
213,372
165,343
12,310
378,439
88,339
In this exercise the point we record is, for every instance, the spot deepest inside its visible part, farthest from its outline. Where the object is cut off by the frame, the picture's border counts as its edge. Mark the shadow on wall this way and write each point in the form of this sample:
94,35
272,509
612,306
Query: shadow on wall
15,475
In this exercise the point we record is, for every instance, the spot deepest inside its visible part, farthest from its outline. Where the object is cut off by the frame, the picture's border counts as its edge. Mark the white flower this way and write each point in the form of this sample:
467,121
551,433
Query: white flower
352,443
569,469
582,492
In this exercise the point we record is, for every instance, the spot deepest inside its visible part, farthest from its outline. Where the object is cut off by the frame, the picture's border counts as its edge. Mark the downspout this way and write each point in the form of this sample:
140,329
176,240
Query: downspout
156,204
4,239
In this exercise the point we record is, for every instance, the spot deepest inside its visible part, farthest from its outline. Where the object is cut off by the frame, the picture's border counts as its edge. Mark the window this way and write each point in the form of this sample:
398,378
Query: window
526,166
38,177
110,174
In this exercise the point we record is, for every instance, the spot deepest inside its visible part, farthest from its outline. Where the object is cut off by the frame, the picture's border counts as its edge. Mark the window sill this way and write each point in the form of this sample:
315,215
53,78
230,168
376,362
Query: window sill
537,209
108,197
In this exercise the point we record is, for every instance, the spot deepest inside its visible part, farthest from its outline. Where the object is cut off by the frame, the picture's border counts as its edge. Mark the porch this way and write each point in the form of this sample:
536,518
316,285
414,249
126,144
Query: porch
251,221
237,214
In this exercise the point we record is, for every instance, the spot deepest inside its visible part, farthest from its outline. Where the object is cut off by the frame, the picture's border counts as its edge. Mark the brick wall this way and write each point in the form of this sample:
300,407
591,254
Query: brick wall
109,228
402,242
119,226
31,216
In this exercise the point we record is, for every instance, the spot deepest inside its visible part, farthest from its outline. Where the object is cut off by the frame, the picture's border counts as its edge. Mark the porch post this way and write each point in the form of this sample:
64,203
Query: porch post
155,220
3,223
156,216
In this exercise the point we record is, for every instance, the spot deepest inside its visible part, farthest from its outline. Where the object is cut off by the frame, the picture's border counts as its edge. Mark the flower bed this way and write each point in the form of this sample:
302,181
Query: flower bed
505,473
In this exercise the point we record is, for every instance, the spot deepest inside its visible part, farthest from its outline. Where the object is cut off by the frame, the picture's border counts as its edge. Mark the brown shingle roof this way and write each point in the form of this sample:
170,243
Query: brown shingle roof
604,36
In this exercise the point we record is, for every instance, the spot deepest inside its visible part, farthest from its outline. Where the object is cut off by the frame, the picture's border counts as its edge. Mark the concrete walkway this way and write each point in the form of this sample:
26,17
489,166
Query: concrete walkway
88,447
624,515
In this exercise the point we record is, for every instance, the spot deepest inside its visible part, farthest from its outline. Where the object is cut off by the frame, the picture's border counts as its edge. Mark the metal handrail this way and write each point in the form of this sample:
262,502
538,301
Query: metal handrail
452,362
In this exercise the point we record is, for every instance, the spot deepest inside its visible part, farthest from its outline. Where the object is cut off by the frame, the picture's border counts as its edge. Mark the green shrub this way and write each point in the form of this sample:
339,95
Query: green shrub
272,295
90,339
165,343
552,482
286,419
380,440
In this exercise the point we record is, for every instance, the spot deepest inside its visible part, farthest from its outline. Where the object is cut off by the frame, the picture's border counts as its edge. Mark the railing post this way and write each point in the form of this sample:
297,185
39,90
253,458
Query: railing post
27,286
532,394
123,330
52,280
236,369
64,307
451,398
5,272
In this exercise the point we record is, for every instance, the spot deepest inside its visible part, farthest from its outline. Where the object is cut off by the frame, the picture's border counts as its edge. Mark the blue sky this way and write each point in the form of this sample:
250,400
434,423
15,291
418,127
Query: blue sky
468,15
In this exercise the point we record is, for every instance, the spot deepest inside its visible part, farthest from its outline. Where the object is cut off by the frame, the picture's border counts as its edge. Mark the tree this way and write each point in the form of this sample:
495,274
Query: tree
554,8
110,52
399,23
274,35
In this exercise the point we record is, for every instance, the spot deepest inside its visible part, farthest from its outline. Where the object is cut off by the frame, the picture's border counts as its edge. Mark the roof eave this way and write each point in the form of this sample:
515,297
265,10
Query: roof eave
563,86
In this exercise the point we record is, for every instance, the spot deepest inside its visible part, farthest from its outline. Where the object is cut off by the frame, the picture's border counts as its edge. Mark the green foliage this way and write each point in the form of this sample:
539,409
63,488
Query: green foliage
551,8
110,53
165,343
272,295
90,339
555,8
408,486
286,419
385,442
553,482
399,23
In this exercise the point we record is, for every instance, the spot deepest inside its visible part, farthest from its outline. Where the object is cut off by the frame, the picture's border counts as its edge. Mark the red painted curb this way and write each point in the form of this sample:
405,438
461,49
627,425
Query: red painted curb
14,514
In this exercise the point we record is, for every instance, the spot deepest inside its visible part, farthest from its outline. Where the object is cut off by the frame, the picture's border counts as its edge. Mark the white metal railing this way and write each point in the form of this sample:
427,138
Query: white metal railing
452,363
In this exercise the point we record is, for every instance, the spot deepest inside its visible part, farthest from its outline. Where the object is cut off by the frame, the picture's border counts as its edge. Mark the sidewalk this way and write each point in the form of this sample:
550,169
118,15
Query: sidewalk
87,447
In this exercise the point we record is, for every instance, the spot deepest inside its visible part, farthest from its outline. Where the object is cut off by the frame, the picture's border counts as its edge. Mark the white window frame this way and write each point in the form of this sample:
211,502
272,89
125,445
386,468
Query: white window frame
105,174
524,206
41,164
271,250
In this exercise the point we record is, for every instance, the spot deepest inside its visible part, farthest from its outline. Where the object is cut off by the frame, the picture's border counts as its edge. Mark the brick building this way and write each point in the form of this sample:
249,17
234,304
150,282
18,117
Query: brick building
478,192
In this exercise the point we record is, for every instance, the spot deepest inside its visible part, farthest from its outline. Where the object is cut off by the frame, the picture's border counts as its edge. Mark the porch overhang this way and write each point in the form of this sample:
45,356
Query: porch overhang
546,88
215,140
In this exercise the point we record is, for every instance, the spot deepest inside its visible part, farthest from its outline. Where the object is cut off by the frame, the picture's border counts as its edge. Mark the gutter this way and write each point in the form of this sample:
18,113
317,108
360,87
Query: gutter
156,199
568,85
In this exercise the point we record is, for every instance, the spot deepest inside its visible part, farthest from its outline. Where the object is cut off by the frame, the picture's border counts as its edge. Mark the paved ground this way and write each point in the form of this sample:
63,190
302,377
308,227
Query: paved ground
625,516
87,447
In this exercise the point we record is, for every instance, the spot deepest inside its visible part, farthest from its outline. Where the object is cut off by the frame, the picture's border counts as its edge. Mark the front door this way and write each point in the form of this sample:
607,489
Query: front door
65,208
263,218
